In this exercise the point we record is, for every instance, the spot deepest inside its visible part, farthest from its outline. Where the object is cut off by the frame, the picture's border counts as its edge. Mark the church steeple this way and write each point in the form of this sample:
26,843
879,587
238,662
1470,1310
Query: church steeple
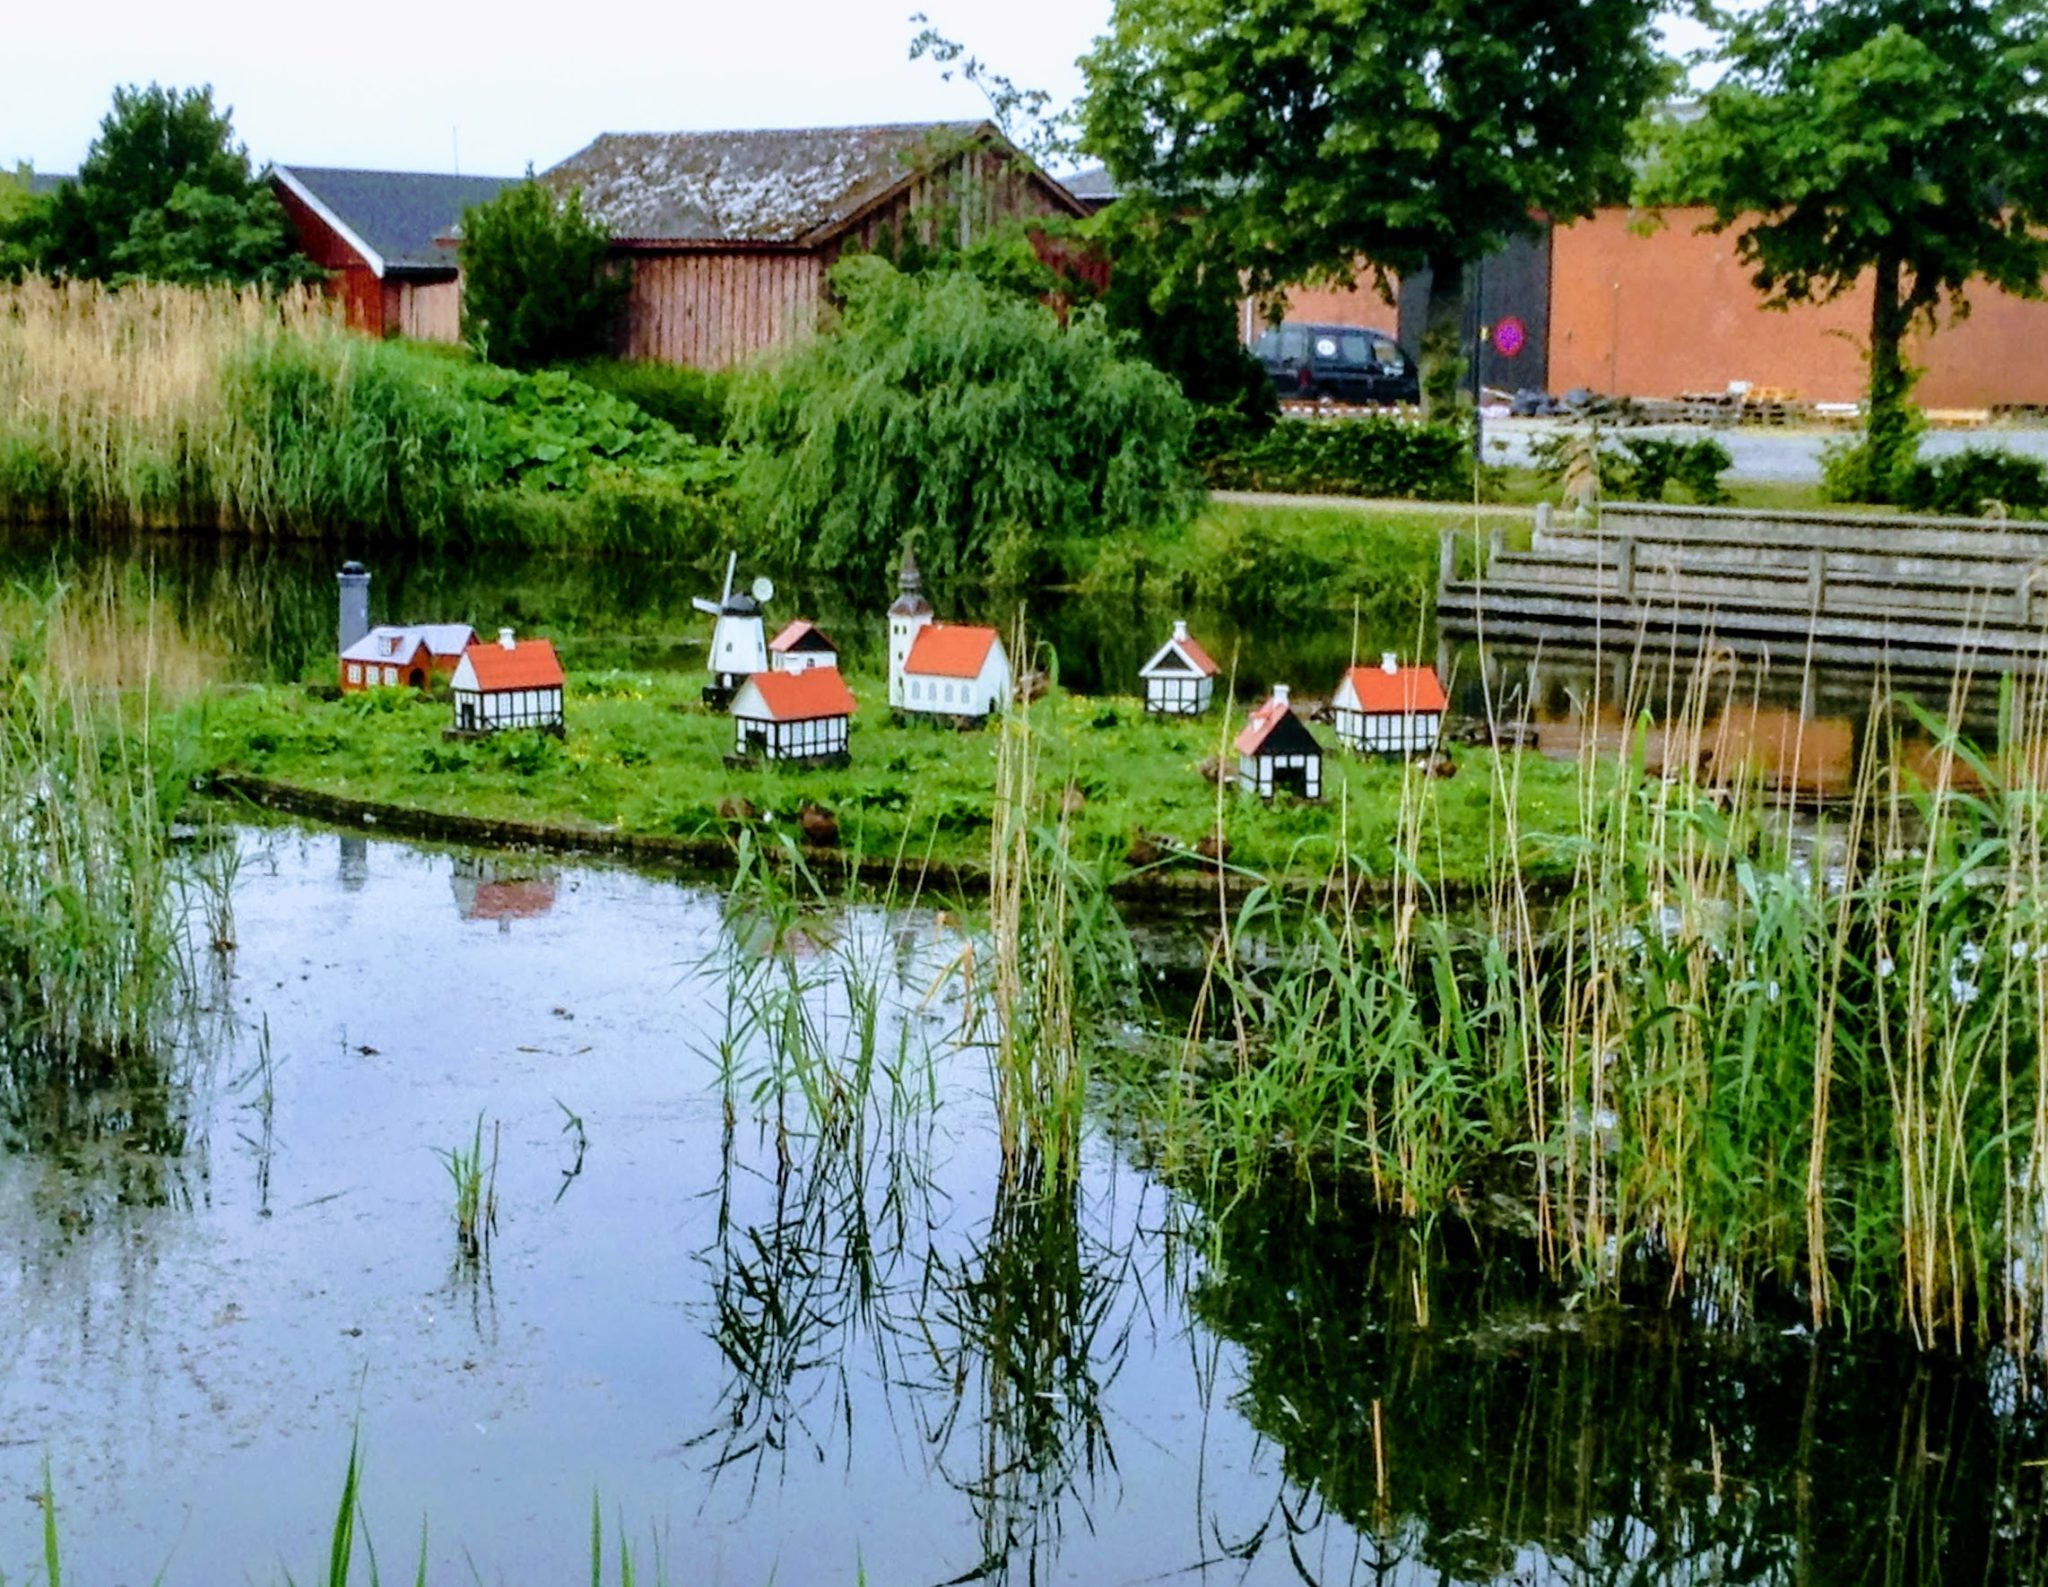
910,601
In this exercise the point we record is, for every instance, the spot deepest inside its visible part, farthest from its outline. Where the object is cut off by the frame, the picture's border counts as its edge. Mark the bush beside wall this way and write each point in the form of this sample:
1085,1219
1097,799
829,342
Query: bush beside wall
1374,456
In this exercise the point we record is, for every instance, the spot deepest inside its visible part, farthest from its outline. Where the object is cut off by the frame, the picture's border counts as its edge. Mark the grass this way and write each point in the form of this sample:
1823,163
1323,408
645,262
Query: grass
475,1183
642,756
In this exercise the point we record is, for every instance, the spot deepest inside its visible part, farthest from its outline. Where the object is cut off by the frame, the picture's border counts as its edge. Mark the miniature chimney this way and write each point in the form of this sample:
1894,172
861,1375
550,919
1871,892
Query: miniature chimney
1389,663
506,641
1180,628
1280,694
354,580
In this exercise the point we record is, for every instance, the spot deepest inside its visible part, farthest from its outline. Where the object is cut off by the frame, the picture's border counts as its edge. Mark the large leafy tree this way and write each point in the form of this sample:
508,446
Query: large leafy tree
1899,142
164,193
537,286
1302,138
943,409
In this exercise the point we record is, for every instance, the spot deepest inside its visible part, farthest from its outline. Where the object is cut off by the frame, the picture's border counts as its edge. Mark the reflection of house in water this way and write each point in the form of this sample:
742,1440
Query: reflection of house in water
354,865
496,887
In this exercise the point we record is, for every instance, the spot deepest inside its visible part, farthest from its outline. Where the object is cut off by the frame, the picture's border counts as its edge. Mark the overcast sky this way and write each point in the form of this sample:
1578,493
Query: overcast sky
406,86
401,86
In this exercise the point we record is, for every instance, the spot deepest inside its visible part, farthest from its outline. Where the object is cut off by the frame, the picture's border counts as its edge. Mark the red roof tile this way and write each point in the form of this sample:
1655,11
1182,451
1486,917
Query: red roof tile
1267,720
798,630
1409,689
950,650
804,696
530,664
1193,650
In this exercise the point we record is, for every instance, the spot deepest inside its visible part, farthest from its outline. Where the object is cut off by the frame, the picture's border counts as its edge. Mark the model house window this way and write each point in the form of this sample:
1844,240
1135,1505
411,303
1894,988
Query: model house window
355,673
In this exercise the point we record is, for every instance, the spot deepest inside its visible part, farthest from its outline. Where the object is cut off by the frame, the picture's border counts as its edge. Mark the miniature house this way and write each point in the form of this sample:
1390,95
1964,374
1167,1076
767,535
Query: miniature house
1180,679
1276,753
508,683
739,642
800,647
1389,709
418,656
942,669
792,716
422,656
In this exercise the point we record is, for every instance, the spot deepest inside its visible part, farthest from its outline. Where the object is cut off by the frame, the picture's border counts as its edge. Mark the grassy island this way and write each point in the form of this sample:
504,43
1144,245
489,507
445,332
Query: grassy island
642,756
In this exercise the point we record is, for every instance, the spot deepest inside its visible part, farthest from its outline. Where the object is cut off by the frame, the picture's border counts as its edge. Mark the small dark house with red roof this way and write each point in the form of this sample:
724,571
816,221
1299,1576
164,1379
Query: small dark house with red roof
802,717
1276,753
508,682
387,239
800,647
1390,709
1180,679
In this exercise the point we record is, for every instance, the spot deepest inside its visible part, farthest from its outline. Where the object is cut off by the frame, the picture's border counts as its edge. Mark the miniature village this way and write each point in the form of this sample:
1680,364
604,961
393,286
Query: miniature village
790,705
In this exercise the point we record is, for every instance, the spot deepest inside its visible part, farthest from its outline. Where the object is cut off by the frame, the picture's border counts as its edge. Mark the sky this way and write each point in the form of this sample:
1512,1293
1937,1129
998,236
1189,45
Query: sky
423,87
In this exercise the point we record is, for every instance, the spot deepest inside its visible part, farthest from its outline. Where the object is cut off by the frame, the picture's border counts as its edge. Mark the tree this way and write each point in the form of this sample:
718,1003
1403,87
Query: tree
20,210
537,285
942,409
1900,141
164,193
1303,140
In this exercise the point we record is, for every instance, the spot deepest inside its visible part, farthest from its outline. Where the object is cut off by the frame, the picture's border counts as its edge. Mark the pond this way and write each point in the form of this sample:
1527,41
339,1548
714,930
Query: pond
781,1354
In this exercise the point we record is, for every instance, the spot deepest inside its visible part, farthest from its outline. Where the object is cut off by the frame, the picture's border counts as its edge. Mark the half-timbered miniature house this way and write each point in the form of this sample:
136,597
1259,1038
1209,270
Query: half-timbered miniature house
1276,753
1180,679
416,656
1389,709
508,683
800,647
802,717
942,669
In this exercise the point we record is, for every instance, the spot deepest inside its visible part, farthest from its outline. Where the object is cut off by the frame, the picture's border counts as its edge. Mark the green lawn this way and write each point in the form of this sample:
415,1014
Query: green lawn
643,756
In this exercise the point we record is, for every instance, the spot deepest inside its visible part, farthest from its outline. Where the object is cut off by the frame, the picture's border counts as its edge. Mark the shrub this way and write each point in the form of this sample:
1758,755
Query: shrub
1638,467
537,287
1976,481
692,400
1372,456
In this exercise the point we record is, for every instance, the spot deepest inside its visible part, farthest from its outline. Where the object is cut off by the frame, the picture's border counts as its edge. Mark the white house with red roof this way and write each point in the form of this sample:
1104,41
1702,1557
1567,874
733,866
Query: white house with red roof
1390,709
1276,753
942,669
508,682
1180,679
800,647
793,716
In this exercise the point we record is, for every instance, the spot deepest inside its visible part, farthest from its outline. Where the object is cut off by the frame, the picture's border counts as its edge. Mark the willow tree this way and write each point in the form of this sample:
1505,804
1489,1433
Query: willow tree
1305,140
947,411
1903,143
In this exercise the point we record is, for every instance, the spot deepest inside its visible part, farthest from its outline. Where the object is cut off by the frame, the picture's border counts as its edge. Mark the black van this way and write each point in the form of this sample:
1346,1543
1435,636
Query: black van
1342,362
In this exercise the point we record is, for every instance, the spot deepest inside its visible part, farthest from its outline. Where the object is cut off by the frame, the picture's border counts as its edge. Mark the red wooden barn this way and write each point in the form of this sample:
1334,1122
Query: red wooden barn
386,239
728,235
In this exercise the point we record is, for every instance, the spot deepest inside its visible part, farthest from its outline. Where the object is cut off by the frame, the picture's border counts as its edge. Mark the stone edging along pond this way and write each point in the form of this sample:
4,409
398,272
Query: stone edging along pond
707,852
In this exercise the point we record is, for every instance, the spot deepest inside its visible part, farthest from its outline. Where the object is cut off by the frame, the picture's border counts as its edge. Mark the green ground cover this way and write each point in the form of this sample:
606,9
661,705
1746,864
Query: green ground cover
643,756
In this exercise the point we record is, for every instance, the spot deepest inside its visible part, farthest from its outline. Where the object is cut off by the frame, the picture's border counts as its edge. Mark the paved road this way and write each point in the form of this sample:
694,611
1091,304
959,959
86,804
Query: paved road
1765,454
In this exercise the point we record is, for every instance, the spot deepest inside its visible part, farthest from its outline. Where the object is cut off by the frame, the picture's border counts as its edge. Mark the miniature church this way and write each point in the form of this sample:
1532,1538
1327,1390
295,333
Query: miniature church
1180,679
1389,709
1276,753
953,670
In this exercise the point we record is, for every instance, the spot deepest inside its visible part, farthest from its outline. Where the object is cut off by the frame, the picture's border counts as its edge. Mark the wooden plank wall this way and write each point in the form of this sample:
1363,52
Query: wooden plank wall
718,309
430,311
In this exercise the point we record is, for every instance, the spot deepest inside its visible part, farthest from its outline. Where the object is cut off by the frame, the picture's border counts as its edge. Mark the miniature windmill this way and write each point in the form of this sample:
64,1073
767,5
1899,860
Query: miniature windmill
739,643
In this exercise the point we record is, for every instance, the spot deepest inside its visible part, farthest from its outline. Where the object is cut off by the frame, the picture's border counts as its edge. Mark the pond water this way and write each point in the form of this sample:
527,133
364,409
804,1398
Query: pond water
804,1359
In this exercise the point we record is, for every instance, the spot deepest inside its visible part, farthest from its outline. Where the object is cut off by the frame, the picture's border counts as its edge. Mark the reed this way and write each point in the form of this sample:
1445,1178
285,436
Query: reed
1742,1062
475,1181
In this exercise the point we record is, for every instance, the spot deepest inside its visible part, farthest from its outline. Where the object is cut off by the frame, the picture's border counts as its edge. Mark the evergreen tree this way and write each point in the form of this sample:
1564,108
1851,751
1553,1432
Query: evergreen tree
537,285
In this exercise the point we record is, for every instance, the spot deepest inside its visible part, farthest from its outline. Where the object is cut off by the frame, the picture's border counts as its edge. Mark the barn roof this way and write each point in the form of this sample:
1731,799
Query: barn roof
789,185
528,664
392,218
1404,690
949,650
804,635
799,696
1274,729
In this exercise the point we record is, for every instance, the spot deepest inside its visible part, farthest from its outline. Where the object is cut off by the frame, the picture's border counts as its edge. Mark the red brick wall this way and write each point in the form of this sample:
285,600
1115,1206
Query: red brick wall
1673,310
